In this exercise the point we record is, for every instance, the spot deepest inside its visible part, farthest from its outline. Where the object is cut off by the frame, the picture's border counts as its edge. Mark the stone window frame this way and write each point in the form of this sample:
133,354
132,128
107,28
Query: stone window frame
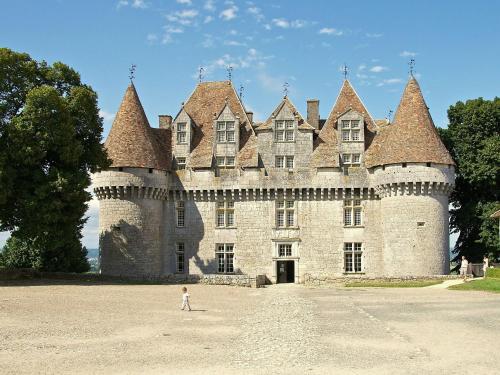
284,161
353,257
225,214
287,250
180,163
180,257
228,162
284,130
285,213
353,209
224,255
181,133
349,127
180,214
348,159
223,133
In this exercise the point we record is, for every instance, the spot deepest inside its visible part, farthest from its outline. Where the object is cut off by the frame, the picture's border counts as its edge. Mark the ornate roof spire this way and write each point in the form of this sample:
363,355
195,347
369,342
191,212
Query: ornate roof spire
131,142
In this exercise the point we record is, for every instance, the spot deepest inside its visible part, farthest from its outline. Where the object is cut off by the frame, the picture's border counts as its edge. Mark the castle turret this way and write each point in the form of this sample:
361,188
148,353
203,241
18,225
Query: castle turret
131,193
413,174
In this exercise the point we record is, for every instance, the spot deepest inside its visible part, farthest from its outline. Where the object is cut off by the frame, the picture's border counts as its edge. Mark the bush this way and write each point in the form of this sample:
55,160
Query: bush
493,273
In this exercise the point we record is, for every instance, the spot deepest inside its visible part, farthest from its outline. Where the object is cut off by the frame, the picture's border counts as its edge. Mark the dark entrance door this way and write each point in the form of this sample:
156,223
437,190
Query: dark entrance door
286,271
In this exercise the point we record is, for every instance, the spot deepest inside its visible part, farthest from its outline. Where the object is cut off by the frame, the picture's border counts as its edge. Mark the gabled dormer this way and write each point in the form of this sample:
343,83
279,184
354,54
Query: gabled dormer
350,133
182,138
227,134
285,123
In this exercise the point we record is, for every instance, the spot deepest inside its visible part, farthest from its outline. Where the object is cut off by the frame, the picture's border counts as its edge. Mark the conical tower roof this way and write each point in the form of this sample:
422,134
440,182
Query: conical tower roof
412,138
131,141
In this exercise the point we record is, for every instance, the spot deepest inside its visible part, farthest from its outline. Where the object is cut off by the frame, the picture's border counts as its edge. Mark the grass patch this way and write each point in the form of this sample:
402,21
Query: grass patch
488,285
493,273
394,284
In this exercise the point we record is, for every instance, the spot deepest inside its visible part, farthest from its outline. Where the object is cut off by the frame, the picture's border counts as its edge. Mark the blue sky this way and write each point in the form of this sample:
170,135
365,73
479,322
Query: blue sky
455,45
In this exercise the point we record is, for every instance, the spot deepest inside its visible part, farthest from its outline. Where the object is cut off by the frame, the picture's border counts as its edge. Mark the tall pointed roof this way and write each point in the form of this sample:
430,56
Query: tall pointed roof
131,141
326,152
412,137
303,124
206,101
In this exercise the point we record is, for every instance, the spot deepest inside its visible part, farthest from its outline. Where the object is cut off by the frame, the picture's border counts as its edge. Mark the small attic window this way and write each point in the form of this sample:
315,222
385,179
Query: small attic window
150,170
120,169
383,167
420,224
404,165
428,164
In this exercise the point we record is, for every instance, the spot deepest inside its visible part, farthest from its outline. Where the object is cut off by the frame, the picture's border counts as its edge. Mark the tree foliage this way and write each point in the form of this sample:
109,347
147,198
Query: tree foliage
50,133
473,139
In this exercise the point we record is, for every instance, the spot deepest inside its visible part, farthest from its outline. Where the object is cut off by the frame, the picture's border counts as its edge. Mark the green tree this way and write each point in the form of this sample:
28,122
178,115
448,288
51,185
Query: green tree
473,139
50,133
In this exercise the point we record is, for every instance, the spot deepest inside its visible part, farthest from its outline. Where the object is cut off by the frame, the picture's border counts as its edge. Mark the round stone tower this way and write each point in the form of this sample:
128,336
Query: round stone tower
413,174
131,194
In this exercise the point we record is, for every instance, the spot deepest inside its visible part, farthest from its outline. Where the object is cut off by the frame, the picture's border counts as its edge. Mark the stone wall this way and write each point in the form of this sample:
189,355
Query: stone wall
311,280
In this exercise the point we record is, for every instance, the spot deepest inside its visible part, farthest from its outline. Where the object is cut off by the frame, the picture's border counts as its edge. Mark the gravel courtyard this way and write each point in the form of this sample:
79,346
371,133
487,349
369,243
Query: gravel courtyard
282,329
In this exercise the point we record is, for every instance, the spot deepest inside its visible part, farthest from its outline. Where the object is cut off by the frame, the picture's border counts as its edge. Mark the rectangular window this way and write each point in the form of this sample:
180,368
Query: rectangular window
351,160
280,162
285,213
179,257
350,130
225,214
180,163
225,132
346,158
220,161
285,250
225,258
355,135
289,135
345,135
345,124
284,131
353,257
180,211
229,161
356,158
224,161
353,212
289,162
181,132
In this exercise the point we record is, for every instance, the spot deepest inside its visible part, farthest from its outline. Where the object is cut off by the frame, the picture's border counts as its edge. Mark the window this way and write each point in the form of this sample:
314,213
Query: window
179,208
181,163
285,250
225,132
225,257
284,161
225,161
285,213
351,159
179,257
284,131
353,212
225,214
352,256
351,130
181,132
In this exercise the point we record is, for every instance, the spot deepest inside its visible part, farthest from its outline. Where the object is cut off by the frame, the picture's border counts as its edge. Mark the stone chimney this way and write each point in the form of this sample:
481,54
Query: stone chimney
165,121
250,117
313,112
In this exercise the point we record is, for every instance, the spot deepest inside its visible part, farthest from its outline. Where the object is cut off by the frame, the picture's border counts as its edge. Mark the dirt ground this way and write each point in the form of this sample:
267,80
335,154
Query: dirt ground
283,329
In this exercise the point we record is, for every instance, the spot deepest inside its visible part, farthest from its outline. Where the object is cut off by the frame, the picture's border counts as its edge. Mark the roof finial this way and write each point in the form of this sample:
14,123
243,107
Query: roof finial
229,72
345,70
241,92
411,64
389,115
200,74
132,72
285,89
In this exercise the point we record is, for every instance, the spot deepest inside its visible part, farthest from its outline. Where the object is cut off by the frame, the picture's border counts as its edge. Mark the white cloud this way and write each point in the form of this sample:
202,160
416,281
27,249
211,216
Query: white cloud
122,3
173,29
184,2
138,4
378,69
408,54
281,22
187,13
233,32
267,26
252,59
209,5
390,81
362,67
234,43
330,31
256,12
285,24
229,13
106,116
374,35
208,19
208,42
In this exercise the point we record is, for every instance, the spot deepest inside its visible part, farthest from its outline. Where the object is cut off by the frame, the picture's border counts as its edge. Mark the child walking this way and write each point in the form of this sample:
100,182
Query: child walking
185,299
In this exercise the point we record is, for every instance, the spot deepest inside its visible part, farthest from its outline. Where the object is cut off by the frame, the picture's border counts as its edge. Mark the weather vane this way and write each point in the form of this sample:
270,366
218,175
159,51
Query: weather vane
229,72
132,72
412,66
200,74
241,92
285,89
345,70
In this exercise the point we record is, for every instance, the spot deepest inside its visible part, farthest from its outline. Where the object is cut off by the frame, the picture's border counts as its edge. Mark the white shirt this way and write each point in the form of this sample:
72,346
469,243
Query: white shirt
185,297
464,264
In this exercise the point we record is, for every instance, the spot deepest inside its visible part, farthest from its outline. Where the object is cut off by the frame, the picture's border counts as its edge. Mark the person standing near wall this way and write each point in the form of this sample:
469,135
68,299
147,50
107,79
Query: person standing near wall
464,266
485,264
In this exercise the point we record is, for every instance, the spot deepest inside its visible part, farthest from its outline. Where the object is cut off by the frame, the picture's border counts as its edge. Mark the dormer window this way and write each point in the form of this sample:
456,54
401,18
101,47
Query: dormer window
284,131
350,130
181,133
225,132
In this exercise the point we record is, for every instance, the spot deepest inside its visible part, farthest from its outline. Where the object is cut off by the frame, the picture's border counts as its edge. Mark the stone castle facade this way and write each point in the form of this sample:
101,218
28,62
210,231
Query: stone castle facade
212,192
